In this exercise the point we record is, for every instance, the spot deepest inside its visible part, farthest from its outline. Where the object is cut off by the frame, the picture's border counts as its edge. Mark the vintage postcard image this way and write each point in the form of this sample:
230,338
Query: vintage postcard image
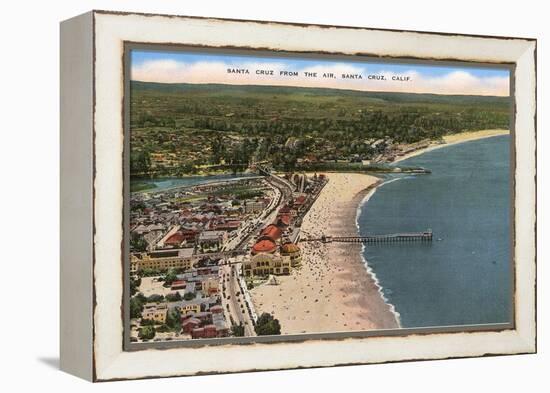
280,195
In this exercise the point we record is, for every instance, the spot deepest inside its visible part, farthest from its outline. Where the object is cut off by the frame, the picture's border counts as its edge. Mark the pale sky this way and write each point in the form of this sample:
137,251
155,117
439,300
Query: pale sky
188,67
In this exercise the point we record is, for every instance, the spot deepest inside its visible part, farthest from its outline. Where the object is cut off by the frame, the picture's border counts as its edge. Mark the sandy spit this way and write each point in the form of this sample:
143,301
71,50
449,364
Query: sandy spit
454,139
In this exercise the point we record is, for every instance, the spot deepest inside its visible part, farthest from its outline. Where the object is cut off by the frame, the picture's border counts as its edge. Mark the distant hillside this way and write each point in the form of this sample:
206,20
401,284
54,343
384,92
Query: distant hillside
178,128
396,97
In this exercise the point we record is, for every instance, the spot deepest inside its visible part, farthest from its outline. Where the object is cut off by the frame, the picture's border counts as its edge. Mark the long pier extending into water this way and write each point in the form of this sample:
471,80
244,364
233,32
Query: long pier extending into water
425,236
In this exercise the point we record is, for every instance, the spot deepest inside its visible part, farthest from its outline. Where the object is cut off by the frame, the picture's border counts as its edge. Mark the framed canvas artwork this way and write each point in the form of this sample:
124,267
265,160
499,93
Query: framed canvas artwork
246,195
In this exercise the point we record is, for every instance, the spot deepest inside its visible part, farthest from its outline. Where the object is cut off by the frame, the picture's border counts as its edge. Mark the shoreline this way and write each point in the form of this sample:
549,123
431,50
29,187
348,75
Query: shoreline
450,140
363,203
454,139
355,290
332,291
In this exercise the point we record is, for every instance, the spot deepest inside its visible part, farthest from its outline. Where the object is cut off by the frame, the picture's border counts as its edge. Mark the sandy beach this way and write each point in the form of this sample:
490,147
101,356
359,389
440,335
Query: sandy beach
332,291
454,139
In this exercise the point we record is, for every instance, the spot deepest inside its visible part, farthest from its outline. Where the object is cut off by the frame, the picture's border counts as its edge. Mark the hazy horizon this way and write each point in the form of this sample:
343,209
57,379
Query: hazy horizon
208,68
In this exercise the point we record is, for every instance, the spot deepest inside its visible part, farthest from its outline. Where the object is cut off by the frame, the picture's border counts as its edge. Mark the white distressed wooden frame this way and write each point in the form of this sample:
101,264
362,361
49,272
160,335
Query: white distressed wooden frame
92,195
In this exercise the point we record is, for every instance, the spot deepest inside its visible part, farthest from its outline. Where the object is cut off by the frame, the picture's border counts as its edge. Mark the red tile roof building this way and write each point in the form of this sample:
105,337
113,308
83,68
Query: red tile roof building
265,246
175,240
272,232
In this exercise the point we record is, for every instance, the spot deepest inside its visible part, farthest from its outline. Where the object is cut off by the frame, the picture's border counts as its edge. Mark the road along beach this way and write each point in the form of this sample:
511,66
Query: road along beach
332,291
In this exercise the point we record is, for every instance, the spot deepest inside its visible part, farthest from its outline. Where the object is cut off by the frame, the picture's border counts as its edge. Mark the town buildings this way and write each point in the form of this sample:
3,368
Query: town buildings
212,241
181,237
183,258
273,252
155,312
293,252
263,264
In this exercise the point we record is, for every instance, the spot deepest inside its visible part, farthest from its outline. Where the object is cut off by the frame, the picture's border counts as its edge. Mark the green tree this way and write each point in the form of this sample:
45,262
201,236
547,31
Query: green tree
136,307
170,277
148,272
162,329
148,322
217,146
141,297
267,325
134,285
140,162
173,297
147,332
173,319
189,296
137,243
155,298
237,330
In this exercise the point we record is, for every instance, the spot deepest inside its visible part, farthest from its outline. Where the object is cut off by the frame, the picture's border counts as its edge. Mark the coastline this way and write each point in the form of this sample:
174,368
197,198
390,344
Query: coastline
454,139
335,290
450,141
332,291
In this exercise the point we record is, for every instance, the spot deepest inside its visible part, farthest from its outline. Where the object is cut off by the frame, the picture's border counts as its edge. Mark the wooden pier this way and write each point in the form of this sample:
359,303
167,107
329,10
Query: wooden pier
392,237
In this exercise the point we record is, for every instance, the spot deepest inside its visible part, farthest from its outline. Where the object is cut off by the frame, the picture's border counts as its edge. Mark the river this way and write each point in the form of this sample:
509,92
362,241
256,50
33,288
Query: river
161,184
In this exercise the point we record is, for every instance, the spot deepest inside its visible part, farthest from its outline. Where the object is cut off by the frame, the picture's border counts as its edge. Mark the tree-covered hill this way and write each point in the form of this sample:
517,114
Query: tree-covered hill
176,128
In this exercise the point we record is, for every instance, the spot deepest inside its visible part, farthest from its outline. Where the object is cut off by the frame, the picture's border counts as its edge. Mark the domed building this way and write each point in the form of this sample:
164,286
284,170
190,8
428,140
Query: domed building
266,257
272,232
265,245
292,251
264,264
283,220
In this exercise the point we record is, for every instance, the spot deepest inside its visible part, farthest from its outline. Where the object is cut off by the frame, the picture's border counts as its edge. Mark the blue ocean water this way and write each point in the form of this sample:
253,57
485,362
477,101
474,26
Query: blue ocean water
466,277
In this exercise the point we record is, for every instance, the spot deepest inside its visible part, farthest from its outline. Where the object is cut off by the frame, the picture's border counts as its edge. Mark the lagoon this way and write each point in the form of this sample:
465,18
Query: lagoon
161,184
